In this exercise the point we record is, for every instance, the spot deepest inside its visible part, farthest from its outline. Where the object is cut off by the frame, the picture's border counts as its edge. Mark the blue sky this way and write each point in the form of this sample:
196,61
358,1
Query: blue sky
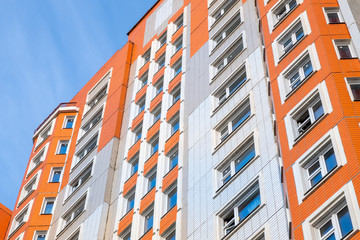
50,49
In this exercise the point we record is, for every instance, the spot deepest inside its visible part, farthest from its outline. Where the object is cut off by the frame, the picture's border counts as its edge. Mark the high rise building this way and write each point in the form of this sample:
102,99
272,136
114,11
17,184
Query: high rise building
219,119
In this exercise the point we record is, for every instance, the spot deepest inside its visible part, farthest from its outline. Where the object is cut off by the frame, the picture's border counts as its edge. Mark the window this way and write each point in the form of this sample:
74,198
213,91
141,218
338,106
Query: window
20,219
344,49
241,209
143,79
299,72
235,120
40,236
80,179
333,15
149,220
234,82
175,125
159,86
172,198
37,159
48,206
174,157
155,146
92,122
62,147
130,201
237,161
127,236
279,12
354,85
171,236
177,68
322,163
134,166
69,122
29,188
176,95
92,143
97,97
157,115
161,62
308,115
151,181
222,10
228,56
75,211
75,236
138,132
44,134
141,105
178,22
226,31
178,44
55,175
337,224
290,38
162,39
146,56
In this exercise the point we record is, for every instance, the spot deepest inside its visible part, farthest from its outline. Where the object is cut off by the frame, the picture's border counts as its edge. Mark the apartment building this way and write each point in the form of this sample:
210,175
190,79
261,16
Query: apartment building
219,119
312,55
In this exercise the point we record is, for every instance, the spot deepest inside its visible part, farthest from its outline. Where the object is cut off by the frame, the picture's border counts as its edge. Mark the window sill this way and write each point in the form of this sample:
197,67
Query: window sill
292,92
213,79
348,58
222,187
87,132
284,17
292,48
237,227
75,191
217,108
298,139
69,224
221,43
82,159
26,197
232,133
33,169
322,181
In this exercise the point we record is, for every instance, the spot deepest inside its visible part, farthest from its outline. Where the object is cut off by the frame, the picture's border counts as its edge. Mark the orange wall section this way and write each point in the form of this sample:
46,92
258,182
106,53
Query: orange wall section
5,215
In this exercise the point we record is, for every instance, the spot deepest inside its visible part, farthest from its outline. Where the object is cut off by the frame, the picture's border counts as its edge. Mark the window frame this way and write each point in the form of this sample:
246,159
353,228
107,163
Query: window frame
161,43
59,147
275,21
52,172
175,44
66,120
44,205
213,20
82,200
42,154
84,148
333,10
177,64
178,23
39,233
79,178
146,57
352,81
345,42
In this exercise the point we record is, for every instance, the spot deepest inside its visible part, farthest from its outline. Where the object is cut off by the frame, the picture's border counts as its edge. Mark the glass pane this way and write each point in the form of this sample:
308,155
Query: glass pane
63,148
287,44
48,207
131,203
314,168
149,222
345,221
249,205
134,168
172,200
318,110
155,147
235,85
295,80
173,160
330,160
292,4
69,123
314,180
244,158
41,237
56,177
333,18
355,89
299,34
152,182
344,51
326,228
175,126
331,237
308,69
241,117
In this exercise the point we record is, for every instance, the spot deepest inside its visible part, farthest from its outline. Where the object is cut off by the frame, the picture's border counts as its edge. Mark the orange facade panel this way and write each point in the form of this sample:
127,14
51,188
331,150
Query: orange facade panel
156,101
134,149
174,82
125,222
172,142
151,162
147,200
159,74
148,235
130,183
160,51
153,130
168,220
5,215
176,57
137,120
170,178
144,68
177,34
141,93
173,110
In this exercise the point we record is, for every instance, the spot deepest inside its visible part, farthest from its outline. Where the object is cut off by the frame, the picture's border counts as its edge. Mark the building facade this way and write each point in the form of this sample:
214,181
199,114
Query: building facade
219,119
